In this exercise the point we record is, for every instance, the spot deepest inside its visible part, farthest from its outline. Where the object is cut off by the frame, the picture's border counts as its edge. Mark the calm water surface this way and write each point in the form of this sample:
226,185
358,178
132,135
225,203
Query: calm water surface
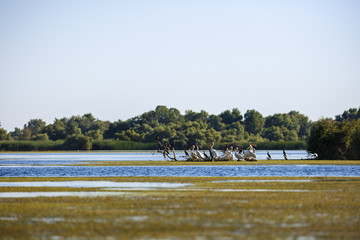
57,165
64,158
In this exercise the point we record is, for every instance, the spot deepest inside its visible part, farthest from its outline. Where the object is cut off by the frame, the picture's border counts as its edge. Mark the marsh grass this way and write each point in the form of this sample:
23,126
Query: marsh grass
328,209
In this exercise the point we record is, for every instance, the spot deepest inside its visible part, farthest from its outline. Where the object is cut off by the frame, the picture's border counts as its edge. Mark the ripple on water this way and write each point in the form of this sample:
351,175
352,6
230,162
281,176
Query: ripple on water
184,171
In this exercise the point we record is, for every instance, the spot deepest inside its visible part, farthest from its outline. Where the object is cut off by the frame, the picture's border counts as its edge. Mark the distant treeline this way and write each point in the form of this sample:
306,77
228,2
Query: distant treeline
229,127
278,131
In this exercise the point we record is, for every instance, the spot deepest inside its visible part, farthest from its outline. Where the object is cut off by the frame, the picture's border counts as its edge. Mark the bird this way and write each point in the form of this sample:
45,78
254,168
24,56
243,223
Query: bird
213,153
198,153
268,156
239,155
285,156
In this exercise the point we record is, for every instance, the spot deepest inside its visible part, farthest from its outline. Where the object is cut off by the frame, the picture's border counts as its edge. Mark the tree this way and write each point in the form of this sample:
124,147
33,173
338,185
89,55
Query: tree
36,126
40,137
351,114
254,122
334,140
78,142
196,117
215,122
273,133
57,130
4,135
355,141
230,117
115,128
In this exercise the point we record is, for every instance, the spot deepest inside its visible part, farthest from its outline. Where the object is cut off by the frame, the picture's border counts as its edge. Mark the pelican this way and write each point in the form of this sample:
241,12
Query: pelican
239,155
250,153
228,154
313,156
193,155
199,154
213,153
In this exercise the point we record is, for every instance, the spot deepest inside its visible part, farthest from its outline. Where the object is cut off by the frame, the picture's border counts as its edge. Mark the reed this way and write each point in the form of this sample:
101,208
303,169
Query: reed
268,145
122,145
31,145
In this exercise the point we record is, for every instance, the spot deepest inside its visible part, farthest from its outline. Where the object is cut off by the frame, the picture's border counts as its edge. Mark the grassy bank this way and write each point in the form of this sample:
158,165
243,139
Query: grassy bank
210,208
130,145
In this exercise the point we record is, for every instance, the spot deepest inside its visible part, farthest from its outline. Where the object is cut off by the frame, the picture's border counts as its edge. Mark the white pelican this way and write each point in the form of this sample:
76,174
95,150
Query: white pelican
213,153
199,154
250,153
239,155
228,154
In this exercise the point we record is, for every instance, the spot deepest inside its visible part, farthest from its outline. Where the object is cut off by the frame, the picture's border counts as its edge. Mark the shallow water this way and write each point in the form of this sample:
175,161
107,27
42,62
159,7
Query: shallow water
184,171
65,158
58,194
95,184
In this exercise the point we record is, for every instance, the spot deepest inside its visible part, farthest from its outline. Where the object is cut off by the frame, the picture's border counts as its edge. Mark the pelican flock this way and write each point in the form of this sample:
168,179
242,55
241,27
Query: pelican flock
195,154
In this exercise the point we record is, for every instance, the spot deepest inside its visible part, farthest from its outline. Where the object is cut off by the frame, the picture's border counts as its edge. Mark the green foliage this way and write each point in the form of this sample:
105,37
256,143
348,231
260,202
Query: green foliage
351,114
335,140
78,142
169,124
40,137
254,122
31,145
4,135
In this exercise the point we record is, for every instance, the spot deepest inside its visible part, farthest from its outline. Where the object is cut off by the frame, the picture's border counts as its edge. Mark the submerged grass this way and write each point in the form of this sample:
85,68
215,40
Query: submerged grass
210,208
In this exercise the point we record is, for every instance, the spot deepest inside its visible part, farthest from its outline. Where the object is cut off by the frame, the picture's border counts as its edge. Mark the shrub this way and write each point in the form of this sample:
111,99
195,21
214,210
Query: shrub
78,142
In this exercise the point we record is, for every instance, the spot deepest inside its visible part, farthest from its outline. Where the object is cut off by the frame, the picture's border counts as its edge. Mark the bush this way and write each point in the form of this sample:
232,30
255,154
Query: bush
40,137
78,142
335,140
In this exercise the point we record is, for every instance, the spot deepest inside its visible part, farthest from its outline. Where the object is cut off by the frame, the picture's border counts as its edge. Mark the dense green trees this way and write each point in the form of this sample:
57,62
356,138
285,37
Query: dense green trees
337,139
4,135
331,139
230,126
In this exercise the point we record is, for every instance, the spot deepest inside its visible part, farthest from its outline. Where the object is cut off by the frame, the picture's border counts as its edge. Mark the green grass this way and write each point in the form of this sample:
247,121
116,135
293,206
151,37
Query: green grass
328,209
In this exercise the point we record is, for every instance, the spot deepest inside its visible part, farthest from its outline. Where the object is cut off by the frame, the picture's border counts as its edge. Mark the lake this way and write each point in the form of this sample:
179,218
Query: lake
183,171
62,158
63,164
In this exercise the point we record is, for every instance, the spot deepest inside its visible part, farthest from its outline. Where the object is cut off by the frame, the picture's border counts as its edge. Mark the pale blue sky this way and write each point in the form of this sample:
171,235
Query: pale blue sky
118,59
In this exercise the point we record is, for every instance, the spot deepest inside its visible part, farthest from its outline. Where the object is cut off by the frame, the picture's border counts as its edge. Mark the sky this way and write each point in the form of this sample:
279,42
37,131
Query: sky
119,59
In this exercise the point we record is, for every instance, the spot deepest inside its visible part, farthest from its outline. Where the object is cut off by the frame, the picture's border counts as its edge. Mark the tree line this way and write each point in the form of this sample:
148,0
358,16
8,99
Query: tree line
337,138
192,127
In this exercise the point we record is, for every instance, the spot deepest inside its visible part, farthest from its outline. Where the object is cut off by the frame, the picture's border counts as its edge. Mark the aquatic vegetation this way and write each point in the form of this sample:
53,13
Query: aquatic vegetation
319,207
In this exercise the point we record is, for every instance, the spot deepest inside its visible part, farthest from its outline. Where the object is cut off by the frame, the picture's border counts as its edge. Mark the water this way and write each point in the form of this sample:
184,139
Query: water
184,171
64,165
64,158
